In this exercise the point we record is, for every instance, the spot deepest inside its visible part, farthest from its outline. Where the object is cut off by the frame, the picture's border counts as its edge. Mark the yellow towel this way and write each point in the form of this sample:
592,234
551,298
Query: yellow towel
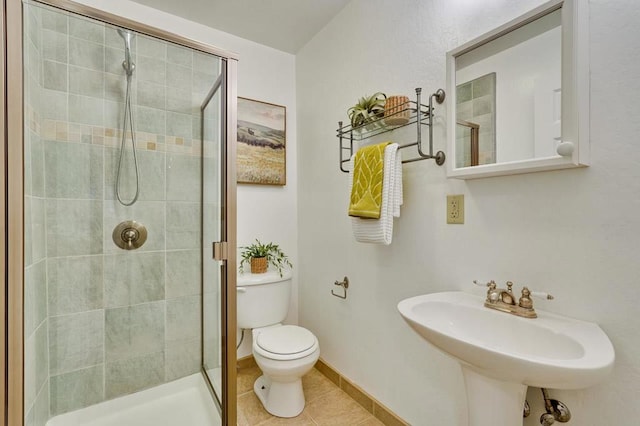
366,192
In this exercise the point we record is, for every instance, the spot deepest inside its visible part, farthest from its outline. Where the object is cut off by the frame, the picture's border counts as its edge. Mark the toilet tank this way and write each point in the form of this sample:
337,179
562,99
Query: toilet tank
263,299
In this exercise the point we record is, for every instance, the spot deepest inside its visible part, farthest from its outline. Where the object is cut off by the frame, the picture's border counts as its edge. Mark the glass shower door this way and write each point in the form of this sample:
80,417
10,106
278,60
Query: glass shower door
214,232
92,321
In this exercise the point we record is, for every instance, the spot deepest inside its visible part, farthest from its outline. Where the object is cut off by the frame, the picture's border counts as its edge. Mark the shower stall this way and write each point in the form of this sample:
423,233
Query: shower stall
119,209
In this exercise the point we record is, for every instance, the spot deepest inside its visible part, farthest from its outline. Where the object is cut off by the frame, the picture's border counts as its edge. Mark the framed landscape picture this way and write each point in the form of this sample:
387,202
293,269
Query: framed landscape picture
261,143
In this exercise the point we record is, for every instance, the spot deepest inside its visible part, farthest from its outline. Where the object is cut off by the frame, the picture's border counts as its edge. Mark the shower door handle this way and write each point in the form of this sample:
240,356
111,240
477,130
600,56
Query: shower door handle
220,250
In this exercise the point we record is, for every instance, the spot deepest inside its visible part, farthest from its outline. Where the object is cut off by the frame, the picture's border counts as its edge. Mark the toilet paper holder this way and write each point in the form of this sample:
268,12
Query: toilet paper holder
345,285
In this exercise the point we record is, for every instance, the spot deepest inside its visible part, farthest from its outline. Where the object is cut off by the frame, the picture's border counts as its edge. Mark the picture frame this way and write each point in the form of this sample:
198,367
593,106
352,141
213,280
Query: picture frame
261,143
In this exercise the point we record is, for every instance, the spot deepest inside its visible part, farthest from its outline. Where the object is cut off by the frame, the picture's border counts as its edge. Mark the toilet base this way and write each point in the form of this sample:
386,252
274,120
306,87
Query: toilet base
280,399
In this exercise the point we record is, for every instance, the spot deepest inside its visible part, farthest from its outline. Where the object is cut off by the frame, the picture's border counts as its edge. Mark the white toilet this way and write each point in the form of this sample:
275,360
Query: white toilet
284,353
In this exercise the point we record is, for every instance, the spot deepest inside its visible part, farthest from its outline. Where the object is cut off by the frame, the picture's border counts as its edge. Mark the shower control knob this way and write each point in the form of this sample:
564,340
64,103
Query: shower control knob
129,235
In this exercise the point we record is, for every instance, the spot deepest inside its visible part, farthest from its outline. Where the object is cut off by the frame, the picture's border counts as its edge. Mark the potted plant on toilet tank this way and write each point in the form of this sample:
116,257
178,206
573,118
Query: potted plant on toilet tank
260,256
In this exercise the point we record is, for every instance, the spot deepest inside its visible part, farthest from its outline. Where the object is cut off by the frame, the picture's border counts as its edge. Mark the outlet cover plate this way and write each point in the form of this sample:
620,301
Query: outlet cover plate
455,209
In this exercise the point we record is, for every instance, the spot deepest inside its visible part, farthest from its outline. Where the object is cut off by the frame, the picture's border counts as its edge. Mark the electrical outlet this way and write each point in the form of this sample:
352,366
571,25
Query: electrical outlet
455,209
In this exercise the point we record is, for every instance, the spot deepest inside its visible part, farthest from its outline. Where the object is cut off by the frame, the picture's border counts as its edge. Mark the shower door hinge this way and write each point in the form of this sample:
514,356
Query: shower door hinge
220,250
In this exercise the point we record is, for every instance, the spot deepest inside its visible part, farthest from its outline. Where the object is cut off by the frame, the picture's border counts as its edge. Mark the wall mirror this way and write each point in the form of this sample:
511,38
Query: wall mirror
519,95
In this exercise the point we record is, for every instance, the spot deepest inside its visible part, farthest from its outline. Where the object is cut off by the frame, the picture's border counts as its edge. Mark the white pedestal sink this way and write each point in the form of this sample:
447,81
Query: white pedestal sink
501,354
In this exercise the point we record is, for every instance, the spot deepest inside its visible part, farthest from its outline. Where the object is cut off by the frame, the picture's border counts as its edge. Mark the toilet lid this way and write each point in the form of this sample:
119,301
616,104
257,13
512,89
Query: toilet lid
285,340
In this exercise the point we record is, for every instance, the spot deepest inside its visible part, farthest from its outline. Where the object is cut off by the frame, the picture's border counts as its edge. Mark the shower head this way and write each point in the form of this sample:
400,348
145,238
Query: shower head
128,64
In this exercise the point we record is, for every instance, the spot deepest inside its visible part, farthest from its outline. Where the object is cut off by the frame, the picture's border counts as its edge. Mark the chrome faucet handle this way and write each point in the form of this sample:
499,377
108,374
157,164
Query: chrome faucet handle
525,300
489,284
541,295
492,294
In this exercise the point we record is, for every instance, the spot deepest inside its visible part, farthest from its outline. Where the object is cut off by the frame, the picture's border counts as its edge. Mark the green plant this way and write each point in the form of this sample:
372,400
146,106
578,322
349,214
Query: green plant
367,109
271,251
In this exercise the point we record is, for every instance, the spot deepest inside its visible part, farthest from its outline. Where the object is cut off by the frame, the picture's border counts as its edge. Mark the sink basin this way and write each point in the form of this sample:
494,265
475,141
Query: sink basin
549,351
503,353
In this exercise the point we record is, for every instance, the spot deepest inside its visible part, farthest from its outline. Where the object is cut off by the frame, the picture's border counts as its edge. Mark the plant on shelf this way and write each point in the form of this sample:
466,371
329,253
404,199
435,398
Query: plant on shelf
368,109
260,256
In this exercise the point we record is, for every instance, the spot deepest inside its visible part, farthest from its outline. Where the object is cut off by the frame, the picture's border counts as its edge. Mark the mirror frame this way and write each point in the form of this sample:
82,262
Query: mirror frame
575,93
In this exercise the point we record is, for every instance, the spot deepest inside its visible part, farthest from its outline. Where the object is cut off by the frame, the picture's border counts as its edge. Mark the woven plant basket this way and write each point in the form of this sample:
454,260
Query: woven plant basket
258,265
396,110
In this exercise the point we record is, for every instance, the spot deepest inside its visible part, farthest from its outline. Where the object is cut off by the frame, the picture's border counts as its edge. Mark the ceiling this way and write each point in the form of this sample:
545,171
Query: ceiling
282,24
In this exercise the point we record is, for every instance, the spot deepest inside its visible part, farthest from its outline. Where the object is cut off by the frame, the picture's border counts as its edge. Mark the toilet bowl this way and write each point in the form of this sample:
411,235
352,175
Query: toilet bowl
284,353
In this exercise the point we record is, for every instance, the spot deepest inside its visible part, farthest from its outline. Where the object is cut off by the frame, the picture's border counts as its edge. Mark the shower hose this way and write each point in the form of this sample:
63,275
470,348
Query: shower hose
127,114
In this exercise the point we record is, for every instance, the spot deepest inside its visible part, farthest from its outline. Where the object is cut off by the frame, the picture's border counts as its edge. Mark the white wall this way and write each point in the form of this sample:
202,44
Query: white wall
572,233
264,212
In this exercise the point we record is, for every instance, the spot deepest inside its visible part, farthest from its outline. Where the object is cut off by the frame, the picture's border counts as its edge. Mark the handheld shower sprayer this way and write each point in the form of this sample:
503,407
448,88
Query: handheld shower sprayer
128,64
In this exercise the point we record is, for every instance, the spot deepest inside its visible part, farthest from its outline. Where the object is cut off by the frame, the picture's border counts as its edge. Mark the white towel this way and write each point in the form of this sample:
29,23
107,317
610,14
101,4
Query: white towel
380,231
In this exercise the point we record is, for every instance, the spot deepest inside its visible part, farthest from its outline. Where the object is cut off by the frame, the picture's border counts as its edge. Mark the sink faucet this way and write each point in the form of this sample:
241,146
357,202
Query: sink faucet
503,299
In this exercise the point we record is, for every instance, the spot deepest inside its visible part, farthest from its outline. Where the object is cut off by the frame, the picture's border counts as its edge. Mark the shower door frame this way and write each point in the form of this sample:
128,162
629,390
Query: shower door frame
12,194
3,214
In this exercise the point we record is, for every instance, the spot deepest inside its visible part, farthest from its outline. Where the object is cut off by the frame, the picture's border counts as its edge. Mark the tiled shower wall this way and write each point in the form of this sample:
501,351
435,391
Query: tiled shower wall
103,322
476,103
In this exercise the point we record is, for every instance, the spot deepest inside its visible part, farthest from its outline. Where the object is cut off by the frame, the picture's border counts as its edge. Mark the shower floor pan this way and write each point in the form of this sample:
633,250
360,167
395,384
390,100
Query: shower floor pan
184,401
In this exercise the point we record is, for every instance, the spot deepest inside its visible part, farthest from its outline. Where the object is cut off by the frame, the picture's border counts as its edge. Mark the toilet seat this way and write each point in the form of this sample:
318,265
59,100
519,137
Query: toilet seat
285,342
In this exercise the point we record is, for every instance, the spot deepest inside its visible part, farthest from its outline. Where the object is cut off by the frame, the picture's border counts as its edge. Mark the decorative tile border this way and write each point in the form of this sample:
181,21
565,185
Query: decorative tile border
62,131
32,118
369,403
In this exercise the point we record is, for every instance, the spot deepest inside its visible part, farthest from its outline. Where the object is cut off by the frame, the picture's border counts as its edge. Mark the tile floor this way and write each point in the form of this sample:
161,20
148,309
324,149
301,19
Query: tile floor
326,404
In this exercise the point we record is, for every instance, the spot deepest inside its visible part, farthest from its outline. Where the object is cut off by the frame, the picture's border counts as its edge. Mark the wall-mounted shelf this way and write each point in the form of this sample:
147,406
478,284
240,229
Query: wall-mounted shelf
420,115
